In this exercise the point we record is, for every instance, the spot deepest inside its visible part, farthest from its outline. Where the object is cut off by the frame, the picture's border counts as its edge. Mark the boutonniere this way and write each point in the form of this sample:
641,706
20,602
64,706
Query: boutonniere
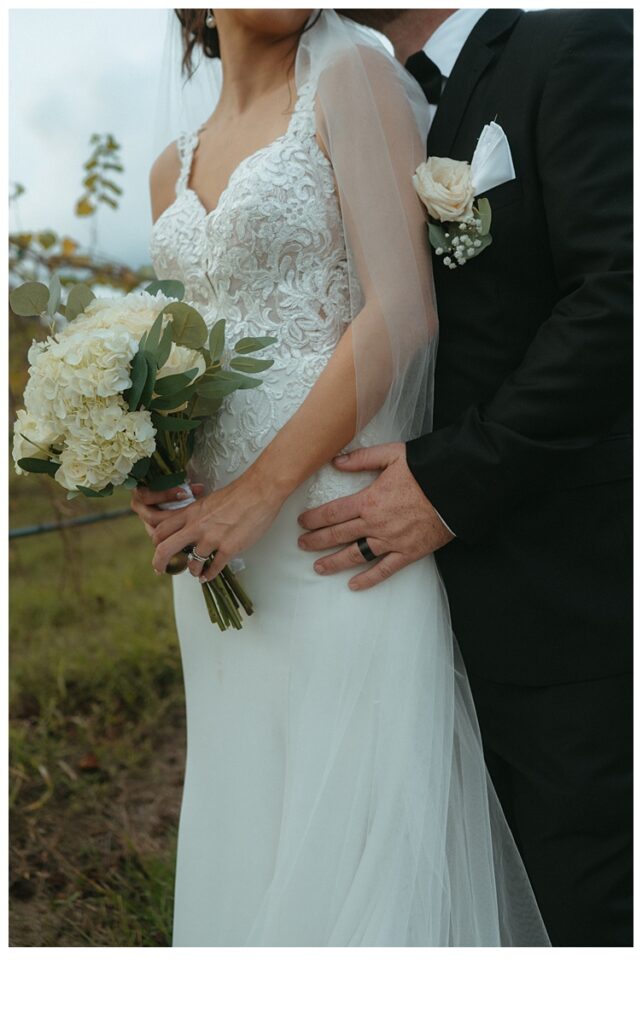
458,221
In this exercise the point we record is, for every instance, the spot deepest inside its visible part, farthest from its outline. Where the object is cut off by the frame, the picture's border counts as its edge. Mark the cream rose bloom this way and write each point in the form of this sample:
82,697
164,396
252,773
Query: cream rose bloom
445,188
181,359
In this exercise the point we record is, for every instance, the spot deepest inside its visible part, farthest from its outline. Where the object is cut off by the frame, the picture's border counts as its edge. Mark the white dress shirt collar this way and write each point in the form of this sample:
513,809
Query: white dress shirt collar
446,43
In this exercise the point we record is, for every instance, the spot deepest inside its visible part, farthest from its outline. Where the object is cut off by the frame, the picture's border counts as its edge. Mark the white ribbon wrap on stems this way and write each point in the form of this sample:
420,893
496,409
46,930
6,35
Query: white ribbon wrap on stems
492,162
237,564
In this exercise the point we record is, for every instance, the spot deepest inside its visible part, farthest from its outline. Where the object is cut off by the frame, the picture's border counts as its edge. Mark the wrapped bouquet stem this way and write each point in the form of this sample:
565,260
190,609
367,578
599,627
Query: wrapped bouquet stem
116,394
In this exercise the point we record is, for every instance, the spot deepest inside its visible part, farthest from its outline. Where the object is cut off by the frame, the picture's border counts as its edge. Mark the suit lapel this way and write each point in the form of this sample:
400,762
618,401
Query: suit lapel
479,50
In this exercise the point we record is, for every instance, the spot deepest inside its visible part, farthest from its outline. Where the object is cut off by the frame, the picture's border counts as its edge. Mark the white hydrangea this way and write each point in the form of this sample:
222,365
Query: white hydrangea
74,395
33,437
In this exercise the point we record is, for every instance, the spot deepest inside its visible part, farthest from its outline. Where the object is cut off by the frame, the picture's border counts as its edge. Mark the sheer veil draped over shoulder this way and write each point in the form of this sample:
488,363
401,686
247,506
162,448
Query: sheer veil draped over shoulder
335,790
372,121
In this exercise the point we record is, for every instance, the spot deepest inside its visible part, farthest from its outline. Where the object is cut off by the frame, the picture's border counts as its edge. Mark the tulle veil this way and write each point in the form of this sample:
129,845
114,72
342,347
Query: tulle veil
447,870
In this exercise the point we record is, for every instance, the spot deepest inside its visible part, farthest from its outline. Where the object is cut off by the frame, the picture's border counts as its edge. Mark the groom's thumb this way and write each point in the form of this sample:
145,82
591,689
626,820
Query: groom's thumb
365,459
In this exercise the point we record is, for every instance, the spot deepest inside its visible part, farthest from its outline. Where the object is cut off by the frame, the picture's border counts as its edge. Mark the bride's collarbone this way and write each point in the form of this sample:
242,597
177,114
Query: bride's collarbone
222,148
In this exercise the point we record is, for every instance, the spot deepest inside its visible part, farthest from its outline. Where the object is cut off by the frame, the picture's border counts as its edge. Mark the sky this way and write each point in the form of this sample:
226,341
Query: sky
71,73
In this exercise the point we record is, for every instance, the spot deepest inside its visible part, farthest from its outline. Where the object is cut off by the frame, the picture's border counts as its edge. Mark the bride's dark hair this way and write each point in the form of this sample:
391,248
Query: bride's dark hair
196,34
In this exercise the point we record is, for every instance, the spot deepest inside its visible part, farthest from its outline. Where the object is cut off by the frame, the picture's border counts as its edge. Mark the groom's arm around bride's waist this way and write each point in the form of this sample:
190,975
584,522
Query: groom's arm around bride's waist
559,418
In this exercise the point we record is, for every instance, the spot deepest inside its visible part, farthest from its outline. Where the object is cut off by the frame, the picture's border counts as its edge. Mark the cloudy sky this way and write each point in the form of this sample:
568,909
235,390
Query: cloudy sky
74,72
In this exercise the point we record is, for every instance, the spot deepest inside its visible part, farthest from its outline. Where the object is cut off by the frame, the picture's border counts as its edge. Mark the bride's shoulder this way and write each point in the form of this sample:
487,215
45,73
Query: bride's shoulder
162,179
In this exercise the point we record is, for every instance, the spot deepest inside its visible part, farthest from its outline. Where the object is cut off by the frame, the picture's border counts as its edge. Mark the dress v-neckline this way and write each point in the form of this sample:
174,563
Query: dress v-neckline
257,152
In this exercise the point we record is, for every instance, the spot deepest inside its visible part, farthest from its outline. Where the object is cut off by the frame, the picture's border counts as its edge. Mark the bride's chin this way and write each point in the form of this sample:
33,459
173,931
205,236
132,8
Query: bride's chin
274,22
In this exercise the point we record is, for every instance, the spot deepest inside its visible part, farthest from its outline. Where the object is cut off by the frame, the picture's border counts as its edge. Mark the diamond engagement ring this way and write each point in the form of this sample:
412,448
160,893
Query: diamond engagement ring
195,557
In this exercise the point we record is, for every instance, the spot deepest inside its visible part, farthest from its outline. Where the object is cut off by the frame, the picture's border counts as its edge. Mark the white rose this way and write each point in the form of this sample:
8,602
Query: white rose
445,188
181,359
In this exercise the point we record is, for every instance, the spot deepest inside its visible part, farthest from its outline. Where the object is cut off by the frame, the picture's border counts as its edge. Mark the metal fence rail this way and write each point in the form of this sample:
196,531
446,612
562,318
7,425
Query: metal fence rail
65,524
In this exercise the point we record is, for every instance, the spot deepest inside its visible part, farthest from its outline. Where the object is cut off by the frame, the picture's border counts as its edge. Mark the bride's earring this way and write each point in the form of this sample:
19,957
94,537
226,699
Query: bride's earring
210,19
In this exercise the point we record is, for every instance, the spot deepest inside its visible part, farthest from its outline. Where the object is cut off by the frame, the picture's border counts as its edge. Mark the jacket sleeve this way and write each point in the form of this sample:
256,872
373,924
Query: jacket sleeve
575,377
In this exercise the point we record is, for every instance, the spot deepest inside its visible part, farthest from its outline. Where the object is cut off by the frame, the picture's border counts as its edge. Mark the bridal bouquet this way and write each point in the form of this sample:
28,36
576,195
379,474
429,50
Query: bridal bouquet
116,393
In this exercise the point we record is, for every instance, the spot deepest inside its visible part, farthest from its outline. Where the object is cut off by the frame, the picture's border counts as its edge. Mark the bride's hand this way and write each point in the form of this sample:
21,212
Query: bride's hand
227,521
145,504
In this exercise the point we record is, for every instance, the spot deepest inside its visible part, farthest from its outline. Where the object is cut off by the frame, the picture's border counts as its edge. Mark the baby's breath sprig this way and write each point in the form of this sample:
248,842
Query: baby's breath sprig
459,242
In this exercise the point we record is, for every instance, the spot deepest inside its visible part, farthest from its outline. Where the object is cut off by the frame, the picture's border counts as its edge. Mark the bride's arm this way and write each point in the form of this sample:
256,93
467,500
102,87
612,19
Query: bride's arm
385,235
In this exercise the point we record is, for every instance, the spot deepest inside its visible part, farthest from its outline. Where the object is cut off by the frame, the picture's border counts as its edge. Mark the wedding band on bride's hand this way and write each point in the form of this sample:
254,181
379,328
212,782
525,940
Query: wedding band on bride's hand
366,550
195,557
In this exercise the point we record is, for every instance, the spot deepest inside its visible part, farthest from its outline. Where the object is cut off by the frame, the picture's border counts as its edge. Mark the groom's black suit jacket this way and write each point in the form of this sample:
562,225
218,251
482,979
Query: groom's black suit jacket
529,461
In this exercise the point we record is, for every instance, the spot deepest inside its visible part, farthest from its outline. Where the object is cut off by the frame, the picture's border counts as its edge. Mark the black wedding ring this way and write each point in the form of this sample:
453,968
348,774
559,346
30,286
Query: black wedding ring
366,550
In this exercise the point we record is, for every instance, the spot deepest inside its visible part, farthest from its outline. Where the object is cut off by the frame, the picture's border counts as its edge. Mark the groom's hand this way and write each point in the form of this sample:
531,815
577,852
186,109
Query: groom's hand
393,514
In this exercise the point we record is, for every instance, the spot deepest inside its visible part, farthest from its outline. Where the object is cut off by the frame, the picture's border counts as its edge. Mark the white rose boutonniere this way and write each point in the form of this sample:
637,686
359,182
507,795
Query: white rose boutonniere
459,224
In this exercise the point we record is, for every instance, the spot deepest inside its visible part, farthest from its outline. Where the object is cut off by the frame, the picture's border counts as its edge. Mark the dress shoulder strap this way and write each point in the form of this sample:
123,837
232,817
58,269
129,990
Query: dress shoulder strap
303,118
186,143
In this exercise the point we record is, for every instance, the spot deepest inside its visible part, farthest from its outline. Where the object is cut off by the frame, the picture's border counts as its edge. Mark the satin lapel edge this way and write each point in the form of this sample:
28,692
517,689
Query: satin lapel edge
456,98
470,66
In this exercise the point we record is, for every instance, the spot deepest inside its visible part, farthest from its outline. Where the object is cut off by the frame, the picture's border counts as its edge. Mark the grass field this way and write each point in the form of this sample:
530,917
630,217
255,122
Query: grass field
96,727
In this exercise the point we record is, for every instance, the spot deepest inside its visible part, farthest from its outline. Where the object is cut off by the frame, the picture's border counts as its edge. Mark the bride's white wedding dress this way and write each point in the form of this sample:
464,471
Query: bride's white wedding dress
335,790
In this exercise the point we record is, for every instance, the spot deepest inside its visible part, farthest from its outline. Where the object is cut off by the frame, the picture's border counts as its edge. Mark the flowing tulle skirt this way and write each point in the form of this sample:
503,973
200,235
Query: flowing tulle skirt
335,790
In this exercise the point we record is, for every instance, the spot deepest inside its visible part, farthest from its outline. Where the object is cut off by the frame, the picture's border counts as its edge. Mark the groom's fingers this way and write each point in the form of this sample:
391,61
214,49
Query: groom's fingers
347,558
333,536
375,458
338,511
383,570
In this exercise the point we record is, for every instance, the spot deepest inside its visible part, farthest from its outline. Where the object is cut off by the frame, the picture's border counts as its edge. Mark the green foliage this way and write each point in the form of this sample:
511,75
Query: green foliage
172,289
217,341
98,186
247,345
29,299
77,301
190,329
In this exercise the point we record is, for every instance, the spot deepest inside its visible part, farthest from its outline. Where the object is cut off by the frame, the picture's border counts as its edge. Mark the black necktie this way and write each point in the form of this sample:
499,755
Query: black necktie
427,74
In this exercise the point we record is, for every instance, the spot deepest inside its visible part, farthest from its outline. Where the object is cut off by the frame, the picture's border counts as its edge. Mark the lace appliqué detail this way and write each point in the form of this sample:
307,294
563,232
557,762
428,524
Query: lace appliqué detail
271,260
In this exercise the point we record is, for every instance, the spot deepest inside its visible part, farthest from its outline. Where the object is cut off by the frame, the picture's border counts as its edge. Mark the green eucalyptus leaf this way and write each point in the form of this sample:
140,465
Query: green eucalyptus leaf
484,213
89,493
152,341
39,466
437,236
247,345
54,295
165,346
139,371
217,341
77,301
189,327
247,365
175,382
139,468
204,406
29,299
166,403
165,483
148,389
171,289
238,379
173,424
130,483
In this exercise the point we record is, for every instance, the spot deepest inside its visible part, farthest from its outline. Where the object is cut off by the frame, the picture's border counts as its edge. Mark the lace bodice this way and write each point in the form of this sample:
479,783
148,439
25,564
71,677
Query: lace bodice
271,260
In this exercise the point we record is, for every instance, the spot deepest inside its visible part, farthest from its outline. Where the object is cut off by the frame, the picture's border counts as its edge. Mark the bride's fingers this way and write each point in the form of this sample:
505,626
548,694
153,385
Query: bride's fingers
347,558
145,496
164,551
170,523
196,567
218,563
333,536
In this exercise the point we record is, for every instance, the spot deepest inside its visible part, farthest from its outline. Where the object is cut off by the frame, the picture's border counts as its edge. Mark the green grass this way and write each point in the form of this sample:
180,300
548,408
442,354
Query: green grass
96,729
